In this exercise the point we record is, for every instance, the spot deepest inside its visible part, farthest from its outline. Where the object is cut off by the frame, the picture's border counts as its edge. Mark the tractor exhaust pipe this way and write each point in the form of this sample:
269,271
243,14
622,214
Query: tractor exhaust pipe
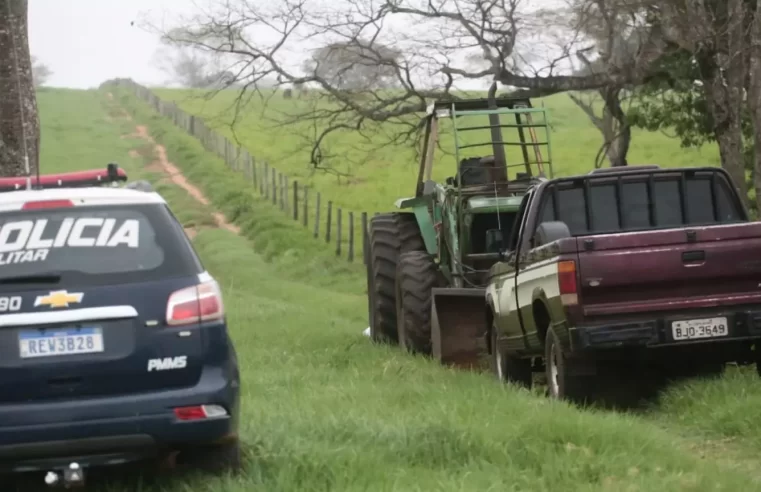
498,148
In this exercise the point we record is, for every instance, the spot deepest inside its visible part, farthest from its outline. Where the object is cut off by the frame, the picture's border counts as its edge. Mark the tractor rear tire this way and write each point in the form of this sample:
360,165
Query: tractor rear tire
390,235
416,274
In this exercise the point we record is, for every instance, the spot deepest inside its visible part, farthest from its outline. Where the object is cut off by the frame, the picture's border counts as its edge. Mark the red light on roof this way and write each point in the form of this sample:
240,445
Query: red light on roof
93,177
47,204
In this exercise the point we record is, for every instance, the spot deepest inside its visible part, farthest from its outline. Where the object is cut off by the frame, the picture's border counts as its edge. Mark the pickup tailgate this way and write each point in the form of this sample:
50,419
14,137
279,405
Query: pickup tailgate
671,269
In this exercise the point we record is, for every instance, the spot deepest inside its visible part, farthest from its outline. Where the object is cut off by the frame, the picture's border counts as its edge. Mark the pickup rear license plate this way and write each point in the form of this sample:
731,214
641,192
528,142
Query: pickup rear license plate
700,328
61,341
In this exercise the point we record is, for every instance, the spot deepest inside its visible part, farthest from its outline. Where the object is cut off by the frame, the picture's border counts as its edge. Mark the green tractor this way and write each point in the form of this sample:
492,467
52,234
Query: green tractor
427,264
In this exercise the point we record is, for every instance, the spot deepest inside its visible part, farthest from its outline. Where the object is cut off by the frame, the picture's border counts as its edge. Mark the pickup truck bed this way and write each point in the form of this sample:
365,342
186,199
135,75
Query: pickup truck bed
595,277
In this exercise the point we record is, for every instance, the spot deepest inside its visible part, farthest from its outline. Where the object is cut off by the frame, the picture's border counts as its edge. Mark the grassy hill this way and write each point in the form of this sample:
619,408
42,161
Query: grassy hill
378,176
323,409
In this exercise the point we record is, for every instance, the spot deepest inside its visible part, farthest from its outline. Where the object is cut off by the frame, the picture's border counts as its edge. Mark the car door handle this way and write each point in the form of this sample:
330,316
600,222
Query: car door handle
693,256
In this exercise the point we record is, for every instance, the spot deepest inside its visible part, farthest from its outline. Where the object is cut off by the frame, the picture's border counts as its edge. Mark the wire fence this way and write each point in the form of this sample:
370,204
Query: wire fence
345,229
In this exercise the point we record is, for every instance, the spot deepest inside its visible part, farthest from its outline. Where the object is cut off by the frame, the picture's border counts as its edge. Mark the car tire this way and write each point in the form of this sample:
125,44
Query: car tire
563,382
218,458
416,275
390,235
509,369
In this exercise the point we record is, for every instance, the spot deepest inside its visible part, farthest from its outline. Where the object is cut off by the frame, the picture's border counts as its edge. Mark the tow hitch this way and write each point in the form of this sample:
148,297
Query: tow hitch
72,476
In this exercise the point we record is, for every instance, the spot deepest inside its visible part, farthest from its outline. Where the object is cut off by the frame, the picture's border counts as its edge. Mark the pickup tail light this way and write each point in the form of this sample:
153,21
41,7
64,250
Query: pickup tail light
195,304
567,283
36,205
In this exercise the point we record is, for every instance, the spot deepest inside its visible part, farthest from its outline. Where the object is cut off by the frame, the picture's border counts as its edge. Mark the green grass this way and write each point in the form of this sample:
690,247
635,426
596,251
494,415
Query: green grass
381,176
323,409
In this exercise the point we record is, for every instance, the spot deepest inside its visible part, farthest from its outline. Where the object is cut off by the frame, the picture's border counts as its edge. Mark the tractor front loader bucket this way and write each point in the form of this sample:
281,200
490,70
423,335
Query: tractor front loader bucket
458,326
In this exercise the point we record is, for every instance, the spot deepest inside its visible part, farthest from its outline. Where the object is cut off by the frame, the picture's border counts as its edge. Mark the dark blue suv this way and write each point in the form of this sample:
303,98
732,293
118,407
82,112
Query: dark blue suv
113,338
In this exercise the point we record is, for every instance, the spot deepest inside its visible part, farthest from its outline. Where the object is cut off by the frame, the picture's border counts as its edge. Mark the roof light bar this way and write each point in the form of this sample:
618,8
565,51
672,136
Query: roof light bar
94,177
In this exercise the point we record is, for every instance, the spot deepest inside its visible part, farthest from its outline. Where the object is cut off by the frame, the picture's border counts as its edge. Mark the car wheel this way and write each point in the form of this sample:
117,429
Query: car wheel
563,380
509,369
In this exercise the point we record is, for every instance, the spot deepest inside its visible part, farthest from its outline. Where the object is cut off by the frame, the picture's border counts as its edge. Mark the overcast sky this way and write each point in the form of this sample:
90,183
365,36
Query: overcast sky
85,42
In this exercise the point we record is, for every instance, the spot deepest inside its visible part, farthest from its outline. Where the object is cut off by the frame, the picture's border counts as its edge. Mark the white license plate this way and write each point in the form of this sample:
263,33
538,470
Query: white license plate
700,328
35,343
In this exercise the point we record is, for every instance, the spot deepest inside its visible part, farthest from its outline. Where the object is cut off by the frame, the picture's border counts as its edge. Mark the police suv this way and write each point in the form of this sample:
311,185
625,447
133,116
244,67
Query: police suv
113,338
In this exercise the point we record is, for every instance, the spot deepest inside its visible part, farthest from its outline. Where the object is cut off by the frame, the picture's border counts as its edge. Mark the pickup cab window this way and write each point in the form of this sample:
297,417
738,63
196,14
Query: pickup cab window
597,205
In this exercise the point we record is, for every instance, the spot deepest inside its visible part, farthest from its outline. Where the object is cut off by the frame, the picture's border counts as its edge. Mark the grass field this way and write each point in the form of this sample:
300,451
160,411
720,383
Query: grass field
323,409
378,176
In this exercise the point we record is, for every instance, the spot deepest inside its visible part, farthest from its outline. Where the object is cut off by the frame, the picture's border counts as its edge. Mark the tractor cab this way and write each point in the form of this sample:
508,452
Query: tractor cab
483,197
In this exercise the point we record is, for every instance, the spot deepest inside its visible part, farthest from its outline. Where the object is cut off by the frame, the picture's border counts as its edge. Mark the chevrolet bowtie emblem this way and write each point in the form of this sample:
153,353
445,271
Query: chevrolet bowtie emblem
59,298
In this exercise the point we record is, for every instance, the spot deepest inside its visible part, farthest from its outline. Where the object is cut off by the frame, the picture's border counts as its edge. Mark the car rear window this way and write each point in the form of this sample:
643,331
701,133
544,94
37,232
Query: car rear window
93,246
634,203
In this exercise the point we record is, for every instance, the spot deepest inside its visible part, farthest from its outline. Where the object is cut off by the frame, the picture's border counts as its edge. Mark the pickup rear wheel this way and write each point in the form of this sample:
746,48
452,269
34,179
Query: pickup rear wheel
389,235
416,275
509,369
563,381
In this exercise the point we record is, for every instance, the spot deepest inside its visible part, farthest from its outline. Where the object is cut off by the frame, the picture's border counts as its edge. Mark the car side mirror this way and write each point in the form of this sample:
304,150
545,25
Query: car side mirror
495,241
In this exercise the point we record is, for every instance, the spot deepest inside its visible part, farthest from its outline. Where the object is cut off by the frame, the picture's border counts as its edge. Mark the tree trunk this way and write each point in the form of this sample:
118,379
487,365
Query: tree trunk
19,122
754,100
725,103
620,131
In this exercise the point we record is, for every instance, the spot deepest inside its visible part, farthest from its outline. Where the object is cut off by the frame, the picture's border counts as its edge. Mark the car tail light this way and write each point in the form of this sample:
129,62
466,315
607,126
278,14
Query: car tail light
199,412
567,283
47,204
202,302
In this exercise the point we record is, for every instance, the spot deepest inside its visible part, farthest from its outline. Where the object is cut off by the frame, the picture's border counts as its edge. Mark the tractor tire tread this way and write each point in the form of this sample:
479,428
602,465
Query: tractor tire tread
390,235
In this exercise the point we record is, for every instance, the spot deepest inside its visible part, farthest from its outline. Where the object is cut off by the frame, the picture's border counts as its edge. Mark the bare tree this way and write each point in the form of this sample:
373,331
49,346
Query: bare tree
357,67
40,72
617,30
436,40
716,33
19,123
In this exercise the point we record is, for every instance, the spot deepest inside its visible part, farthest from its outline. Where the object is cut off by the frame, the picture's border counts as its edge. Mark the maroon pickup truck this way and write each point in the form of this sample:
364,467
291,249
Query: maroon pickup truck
641,270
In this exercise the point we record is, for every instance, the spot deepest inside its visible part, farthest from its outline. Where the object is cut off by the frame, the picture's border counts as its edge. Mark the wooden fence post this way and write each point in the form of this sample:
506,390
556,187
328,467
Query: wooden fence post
327,227
317,217
305,213
295,200
350,256
274,186
252,164
265,181
284,196
338,232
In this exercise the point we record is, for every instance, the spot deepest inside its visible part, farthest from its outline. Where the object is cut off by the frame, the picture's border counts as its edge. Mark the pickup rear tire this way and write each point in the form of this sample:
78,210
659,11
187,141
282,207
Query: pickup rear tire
416,274
563,381
390,235
509,369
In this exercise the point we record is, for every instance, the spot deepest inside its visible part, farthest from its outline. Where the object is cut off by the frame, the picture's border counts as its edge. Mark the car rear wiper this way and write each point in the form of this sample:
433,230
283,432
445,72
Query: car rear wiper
38,278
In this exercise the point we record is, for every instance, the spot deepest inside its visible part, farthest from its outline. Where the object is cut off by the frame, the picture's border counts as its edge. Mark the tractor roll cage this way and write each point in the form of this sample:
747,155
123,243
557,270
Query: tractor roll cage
492,107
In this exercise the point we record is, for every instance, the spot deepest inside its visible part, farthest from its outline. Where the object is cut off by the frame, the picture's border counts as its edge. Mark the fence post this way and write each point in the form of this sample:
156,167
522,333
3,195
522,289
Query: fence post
365,245
265,181
306,201
252,164
274,187
351,236
284,195
295,200
317,218
338,232
327,226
